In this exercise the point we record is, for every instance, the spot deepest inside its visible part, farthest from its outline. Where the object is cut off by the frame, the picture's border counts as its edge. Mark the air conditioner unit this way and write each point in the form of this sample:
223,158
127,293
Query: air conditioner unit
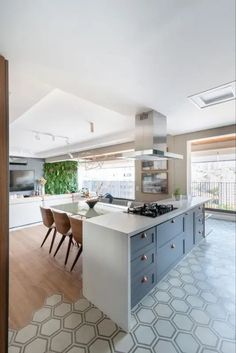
17,161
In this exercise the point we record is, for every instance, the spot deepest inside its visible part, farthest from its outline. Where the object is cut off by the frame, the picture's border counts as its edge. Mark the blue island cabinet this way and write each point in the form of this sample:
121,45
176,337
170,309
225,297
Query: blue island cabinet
157,250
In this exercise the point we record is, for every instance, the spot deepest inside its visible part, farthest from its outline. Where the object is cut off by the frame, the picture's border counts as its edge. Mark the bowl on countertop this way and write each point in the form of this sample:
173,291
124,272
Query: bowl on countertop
92,202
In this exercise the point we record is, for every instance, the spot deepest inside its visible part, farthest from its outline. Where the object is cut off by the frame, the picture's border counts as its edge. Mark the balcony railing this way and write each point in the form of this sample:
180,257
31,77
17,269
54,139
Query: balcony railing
222,194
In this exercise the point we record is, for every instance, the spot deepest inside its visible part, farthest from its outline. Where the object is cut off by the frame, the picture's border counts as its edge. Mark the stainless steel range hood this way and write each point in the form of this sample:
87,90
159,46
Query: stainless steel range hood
151,138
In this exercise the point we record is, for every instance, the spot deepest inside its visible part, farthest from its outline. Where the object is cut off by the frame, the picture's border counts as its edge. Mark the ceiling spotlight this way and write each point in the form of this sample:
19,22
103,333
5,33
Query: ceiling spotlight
37,136
70,155
91,126
53,138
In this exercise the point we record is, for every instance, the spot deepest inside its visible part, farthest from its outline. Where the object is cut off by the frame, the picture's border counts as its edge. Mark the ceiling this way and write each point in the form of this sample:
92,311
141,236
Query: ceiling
111,59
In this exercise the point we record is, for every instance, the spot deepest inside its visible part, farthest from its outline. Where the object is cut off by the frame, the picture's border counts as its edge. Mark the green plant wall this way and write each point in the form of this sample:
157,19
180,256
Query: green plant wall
62,177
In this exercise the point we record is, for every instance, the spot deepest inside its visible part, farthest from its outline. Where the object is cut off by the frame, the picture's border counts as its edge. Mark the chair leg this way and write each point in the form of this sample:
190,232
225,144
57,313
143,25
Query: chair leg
59,245
77,256
46,236
68,249
52,242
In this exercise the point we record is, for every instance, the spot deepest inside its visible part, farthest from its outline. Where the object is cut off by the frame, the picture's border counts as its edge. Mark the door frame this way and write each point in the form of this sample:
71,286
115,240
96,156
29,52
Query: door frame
4,206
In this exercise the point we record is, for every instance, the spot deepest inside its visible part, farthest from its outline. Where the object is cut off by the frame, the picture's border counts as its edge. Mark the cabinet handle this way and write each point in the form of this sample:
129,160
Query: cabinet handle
173,221
172,246
199,208
199,220
199,232
186,214
144,235
144,258
144,279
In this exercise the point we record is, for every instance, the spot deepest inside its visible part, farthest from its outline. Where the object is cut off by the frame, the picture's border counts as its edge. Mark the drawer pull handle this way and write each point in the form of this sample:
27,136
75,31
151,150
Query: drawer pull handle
186,214
173,221
172,246
144,279
144,258
199,220
144,235
199,232
199,208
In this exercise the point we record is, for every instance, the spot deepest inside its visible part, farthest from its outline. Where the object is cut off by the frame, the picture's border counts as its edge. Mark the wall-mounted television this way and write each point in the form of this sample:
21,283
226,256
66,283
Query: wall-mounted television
22,180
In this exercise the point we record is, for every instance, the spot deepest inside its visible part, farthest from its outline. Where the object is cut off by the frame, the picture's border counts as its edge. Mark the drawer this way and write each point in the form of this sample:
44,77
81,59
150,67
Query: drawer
199,210
141,240
142,284
169,254
188,231
145,259
168,230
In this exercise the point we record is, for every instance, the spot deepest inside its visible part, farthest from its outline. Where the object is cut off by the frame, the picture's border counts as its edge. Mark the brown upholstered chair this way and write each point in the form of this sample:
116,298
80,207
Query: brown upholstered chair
77,231
63,227
48,221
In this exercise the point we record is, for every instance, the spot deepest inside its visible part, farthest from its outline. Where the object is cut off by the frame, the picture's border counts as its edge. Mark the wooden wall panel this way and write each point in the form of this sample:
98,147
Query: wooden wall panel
4,201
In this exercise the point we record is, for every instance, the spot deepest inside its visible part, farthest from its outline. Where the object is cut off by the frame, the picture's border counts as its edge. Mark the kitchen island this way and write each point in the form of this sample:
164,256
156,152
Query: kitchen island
125,255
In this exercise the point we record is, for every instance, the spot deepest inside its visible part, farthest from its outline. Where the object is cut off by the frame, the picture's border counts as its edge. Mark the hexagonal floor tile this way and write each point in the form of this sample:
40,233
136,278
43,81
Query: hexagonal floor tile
85,334
177,292
209,297
62,309
142,350
163,310
76,349
164,328
50,327
195,301
13,349
26,333
106,328
184,270
61,341
228,347
206,336
187,343
163,285
183,322
224,330
179,305
73,320
42,314
216,311
187,279
199,316
100,346
144,335
165,347
93,315
123,342
148,301
38,345
145,315
175,281
54,299
10,336
82,304
162,296
191,289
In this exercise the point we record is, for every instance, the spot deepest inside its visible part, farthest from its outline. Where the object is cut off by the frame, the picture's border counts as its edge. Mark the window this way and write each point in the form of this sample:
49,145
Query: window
114,177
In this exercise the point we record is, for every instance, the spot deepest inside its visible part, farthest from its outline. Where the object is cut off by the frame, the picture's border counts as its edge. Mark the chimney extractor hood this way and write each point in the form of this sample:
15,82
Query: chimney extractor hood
150,138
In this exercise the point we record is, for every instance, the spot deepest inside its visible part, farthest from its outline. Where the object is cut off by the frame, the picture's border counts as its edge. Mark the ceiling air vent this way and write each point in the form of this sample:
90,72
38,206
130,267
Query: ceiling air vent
214,96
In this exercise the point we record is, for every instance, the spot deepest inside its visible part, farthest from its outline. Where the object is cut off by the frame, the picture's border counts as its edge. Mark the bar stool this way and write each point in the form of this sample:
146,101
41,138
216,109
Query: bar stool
77,231
63,227
48,222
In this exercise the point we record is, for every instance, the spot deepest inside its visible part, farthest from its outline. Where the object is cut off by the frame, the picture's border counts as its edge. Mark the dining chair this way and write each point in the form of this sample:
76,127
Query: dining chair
63,227
77,231
48,222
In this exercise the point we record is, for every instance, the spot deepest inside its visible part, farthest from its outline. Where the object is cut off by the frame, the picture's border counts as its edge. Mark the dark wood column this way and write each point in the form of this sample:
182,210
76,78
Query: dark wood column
4,206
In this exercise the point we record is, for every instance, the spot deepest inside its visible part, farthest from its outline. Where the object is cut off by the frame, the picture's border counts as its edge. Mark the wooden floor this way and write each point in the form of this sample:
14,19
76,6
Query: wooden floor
35,275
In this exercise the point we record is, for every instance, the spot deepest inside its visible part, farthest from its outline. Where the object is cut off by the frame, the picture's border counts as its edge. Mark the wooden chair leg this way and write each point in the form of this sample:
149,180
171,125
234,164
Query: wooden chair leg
59,245
46,236
77,256
52,242
68,249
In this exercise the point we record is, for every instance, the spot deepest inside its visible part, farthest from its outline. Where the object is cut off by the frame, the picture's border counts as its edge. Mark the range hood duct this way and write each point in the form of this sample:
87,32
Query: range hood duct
151,138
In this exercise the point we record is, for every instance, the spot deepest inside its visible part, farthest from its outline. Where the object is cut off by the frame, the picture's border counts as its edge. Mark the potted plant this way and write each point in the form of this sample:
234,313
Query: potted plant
177,194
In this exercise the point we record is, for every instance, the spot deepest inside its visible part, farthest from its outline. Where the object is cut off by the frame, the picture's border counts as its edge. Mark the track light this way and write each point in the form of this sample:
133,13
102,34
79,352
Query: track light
70,155
37,136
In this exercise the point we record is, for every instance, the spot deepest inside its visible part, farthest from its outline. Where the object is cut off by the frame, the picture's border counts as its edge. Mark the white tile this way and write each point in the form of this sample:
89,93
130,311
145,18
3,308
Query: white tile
42,314
165,347
54,299
93,315
144,335
123,342
26,333
38,345
164,328
85,334
61,341
62,309
50,327
72,321
145,315
106,328
187,343
100,346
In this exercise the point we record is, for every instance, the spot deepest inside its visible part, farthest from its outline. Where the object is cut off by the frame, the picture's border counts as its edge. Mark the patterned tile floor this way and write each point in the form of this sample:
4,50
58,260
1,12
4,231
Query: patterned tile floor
191,310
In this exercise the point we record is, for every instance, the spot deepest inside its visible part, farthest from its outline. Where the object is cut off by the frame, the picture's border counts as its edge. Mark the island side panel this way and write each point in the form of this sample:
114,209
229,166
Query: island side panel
106,272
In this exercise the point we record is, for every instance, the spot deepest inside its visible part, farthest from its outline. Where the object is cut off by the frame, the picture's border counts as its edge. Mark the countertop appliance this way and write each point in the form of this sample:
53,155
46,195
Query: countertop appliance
151,209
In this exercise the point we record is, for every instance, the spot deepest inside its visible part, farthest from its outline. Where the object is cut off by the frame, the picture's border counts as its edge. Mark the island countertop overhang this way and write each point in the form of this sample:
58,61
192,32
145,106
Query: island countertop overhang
131,224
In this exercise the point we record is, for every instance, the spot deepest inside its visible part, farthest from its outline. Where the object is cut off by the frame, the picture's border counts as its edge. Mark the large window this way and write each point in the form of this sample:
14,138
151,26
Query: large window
213,175
114,177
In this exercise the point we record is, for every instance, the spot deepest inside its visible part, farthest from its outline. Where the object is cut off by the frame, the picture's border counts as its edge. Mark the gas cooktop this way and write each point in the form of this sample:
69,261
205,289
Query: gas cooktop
151,209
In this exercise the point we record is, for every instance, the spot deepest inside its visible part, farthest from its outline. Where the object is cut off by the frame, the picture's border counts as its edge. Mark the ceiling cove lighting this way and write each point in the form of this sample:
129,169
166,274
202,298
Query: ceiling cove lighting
214,96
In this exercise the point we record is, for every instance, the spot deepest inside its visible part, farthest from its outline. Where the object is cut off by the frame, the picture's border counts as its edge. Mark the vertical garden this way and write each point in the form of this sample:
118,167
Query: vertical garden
62,177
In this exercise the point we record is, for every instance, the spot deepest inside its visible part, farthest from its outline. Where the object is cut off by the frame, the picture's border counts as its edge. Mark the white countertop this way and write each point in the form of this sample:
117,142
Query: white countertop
131,224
